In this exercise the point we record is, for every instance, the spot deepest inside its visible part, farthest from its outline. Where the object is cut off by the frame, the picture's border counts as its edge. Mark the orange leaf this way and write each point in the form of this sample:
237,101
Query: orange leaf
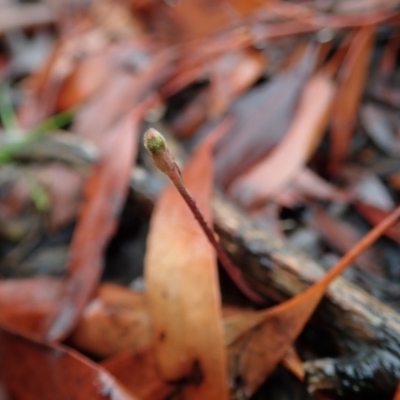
32,370
351,86
183,293
26,304
85,79
137,370
46,82
116,319
271,174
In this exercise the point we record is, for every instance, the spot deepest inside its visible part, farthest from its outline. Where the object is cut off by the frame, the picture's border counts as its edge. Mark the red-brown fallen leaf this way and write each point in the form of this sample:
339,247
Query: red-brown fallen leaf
194,66
112,102
232,74
350,88
115,320
105,193
259,341
190,20
333,65
32,370
182,77
321,21
261,119
31,111
307,184
137,370
26,303
45,84
271,174
198,19
119,94
375,215
88,76
183,293
388,61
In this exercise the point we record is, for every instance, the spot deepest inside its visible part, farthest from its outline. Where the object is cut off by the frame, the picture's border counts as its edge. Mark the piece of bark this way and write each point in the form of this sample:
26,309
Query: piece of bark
356,320
369,373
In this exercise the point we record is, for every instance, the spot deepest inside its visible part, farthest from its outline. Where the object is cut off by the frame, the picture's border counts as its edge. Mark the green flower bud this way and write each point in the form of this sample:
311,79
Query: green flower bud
154,142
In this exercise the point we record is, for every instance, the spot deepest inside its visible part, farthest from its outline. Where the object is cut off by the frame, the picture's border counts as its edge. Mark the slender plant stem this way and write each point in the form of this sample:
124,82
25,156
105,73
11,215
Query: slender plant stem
232,270
165,162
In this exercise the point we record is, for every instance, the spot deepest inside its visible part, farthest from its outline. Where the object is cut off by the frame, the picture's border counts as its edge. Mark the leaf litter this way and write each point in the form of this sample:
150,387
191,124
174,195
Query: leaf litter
312,138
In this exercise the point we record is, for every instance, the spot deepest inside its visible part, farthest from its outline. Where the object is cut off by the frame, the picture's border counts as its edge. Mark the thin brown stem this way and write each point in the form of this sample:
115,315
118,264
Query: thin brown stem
164,161
231,269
